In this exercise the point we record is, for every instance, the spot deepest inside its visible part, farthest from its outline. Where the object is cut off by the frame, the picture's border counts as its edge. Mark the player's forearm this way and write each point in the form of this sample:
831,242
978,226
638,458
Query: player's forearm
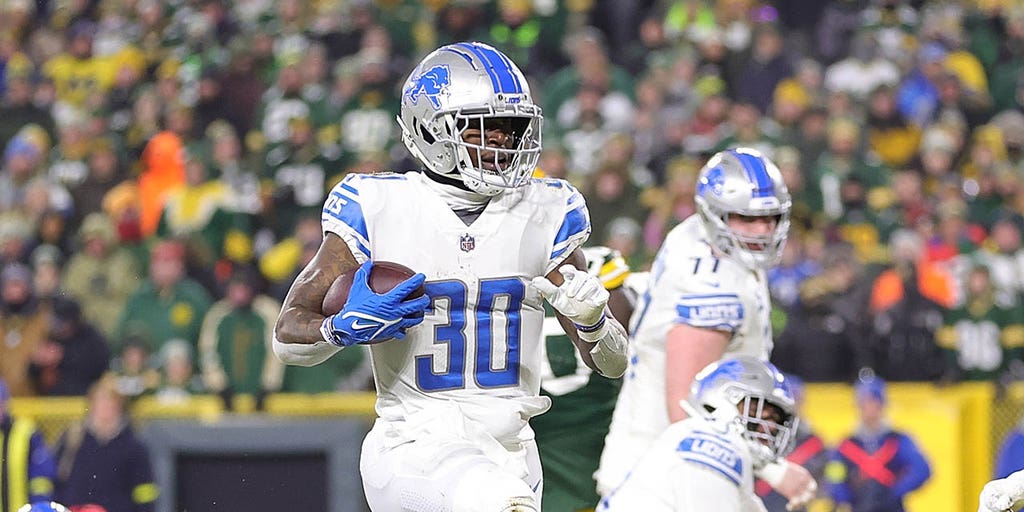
301,314
688,349
299,326
608,350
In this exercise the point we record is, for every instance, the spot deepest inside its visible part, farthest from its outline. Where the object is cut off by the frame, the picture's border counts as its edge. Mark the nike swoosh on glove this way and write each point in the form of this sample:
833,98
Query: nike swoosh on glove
370,317
581,298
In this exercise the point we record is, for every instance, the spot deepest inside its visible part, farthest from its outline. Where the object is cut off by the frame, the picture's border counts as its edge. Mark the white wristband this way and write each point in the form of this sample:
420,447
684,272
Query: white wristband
773,472
609,352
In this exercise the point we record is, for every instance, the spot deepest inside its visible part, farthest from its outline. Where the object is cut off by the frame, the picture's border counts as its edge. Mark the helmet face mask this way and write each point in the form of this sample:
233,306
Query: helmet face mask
467,89
754,397
743,182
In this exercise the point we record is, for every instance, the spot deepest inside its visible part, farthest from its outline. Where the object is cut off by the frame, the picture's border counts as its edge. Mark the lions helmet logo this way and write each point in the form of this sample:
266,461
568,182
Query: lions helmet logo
431,83
712,183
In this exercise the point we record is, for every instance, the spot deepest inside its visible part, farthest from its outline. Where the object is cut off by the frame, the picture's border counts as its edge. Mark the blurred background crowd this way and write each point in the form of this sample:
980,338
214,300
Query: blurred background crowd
164,164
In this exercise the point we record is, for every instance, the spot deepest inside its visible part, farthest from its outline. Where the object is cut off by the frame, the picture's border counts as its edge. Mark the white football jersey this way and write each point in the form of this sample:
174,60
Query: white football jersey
694,465
689,284
479,345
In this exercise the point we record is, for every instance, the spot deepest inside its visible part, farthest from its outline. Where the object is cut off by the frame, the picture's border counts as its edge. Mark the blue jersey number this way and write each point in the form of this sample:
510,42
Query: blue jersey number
499,306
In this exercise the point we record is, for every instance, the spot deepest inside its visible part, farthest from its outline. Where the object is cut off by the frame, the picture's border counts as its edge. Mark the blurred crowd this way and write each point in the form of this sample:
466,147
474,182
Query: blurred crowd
164,164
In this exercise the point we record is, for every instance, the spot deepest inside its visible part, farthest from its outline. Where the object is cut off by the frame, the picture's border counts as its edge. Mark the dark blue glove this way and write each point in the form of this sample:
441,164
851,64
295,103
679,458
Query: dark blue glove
369,317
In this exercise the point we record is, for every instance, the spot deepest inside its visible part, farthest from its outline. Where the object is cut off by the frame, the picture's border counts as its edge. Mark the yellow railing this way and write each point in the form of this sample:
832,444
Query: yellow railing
958,427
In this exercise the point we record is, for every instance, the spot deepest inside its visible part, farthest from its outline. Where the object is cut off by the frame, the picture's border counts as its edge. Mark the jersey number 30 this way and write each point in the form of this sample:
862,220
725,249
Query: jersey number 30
498,307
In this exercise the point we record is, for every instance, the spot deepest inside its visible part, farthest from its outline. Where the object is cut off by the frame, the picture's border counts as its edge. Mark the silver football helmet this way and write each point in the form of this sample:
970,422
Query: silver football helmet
471,86
742,181
738,390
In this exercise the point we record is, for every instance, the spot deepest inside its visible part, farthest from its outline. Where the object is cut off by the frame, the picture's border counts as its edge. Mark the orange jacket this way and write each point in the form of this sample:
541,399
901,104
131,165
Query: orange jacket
164,169
934,282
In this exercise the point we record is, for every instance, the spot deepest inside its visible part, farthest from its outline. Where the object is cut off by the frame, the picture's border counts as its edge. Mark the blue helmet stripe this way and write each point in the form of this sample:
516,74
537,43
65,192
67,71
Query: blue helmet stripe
508,66
487,66
757,173
503,69
502,79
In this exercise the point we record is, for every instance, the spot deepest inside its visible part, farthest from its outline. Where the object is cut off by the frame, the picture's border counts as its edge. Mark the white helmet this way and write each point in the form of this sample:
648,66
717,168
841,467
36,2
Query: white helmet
743,181
736,390
458,87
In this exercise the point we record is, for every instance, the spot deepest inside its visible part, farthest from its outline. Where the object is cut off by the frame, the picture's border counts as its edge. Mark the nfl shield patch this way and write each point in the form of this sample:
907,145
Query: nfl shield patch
467,242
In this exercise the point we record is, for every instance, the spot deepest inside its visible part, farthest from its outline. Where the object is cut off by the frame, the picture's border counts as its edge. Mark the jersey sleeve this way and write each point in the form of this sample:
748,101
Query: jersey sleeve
344,215
710,308
574,228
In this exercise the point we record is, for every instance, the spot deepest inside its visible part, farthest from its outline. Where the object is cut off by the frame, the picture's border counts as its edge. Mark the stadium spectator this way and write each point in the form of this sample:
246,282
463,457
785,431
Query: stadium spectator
909,270
875,468
671,203
835,30
24,326
100,461
749,129
200,213
907,304
763,69
981,339
17,109
26,456
235,342
46,263
106,169
840,162
22,160
823,340
72,357
1004,257
889,134
178,378
615,187
133,371
168,304
298,167
863,71
101,275
918,96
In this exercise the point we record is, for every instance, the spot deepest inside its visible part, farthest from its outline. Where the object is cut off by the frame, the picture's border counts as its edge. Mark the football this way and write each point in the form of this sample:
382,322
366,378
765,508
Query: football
384,276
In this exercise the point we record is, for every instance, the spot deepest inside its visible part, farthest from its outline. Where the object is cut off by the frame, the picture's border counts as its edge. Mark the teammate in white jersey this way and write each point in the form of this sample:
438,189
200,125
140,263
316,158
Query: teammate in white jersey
1003,494
742,416
457,372
707,297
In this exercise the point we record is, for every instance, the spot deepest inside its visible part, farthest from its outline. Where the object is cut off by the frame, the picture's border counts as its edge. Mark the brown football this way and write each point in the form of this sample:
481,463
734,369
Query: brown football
384,276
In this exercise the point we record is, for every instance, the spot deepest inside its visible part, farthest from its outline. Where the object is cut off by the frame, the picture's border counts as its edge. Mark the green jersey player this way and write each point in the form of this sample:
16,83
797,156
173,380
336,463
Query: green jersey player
570,436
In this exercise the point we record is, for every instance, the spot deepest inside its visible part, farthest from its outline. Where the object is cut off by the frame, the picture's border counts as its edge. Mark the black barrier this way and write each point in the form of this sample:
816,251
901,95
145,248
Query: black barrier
257,464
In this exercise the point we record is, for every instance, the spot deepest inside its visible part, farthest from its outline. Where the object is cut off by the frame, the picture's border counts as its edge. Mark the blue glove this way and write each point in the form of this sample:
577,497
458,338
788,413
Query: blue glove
369,317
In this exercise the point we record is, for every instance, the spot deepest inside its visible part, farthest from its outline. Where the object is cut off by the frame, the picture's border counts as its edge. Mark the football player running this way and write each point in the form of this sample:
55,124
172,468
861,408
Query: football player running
457,371
742,415
707,298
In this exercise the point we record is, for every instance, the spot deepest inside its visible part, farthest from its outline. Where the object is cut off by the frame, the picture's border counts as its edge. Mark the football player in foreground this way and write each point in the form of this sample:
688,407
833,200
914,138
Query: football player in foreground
707,298
457,371
741,416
